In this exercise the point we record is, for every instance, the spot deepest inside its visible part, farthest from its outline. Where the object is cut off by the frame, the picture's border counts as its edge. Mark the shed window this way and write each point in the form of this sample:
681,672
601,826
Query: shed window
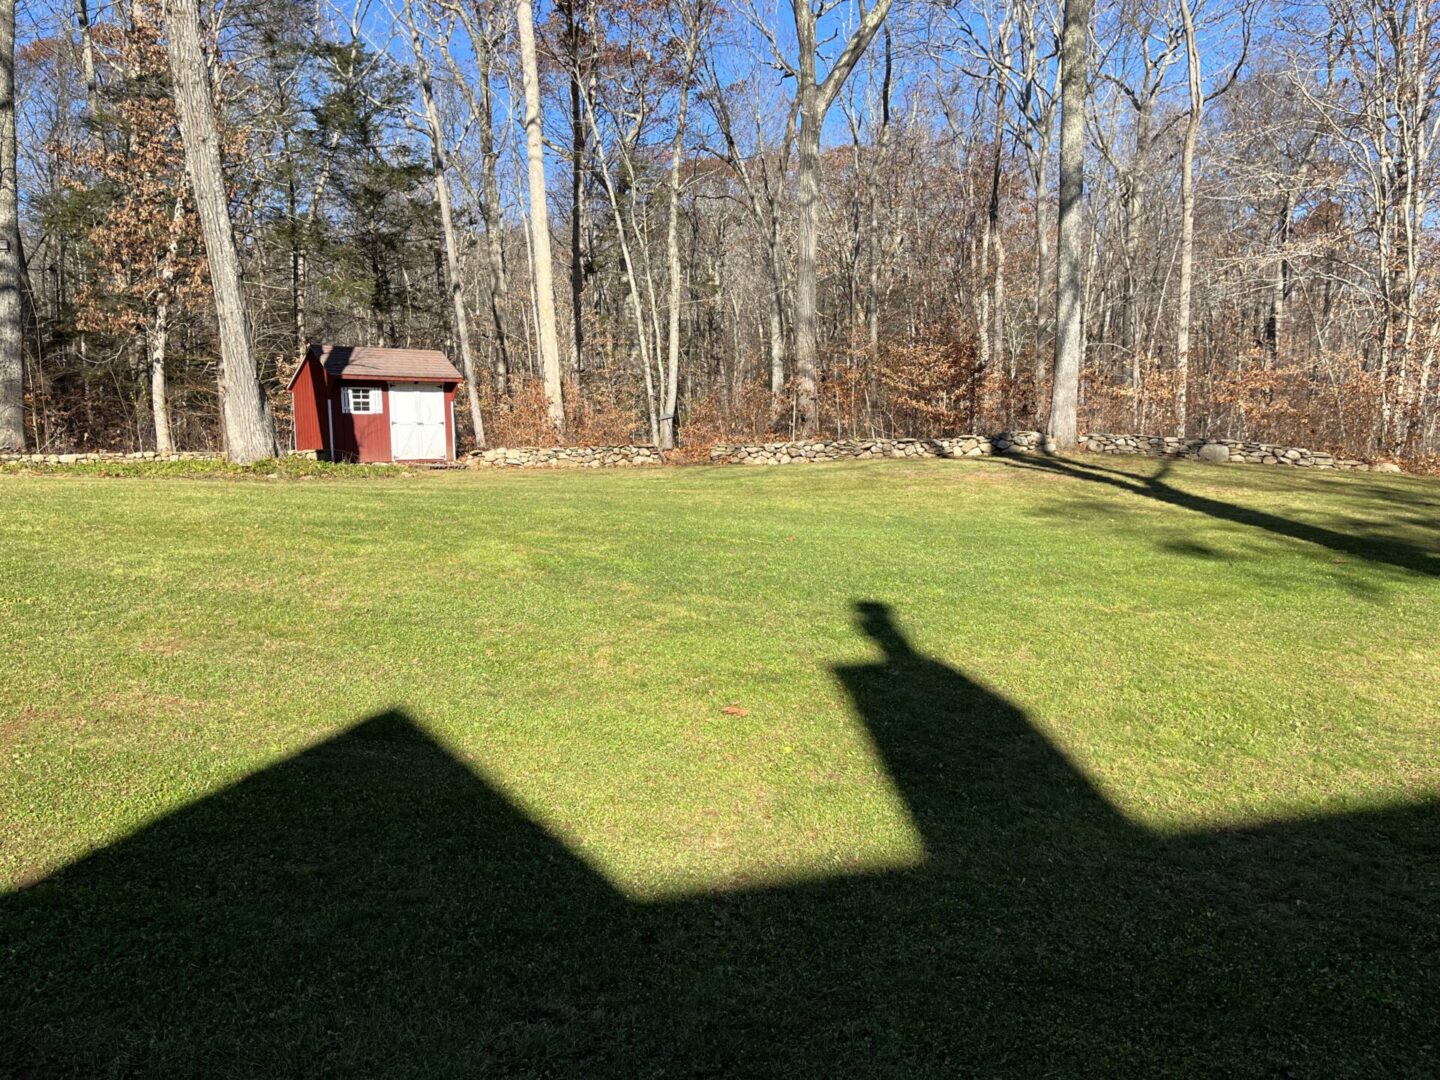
360,399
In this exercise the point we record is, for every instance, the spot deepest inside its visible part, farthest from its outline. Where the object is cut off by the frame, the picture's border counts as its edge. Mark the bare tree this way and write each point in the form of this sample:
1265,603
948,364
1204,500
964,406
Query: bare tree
1069,287
439,169
12,357
761,175
249,435
542,268
693,16
483,34
816,98
1187,218
160,332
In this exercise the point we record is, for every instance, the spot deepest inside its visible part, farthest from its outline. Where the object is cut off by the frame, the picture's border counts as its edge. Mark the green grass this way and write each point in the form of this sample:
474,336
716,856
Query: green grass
1136,770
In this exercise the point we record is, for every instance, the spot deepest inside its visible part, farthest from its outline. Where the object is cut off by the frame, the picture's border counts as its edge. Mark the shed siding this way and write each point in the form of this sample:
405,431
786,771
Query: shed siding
450,421
364,437
309,401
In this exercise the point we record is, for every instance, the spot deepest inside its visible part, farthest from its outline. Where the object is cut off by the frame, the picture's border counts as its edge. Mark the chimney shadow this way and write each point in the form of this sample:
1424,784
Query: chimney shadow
372,906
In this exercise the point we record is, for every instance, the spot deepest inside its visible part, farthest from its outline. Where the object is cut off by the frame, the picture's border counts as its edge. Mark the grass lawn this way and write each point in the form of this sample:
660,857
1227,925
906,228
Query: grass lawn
1046,767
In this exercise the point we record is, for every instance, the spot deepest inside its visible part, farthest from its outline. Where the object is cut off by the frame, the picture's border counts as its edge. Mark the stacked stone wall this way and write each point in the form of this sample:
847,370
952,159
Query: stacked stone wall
564,457
787,453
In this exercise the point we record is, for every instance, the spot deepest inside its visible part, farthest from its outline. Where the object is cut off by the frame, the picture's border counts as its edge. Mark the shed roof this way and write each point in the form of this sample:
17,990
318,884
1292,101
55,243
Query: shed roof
371,362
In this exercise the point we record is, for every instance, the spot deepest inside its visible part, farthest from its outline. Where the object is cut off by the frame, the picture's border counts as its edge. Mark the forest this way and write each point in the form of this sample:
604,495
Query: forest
681,221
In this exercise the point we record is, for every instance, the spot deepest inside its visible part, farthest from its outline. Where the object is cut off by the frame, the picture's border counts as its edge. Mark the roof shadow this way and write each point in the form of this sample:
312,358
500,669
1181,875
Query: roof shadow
372,906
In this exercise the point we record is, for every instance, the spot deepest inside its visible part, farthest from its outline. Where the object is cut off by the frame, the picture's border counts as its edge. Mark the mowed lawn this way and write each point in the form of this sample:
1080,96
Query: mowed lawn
1094,766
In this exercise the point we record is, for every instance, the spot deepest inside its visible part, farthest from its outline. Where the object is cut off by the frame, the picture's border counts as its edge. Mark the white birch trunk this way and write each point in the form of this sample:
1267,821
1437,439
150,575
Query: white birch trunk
542,267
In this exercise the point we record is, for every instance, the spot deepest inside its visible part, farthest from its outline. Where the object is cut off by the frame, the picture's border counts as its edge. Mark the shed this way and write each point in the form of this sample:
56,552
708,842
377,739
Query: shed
362,403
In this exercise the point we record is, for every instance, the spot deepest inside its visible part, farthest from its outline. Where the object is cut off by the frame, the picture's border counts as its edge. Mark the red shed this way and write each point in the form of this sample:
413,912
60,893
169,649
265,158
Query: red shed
368,404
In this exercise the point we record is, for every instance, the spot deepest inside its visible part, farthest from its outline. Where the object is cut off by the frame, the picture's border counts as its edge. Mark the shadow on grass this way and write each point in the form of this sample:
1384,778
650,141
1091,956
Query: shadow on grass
1381,550
371,906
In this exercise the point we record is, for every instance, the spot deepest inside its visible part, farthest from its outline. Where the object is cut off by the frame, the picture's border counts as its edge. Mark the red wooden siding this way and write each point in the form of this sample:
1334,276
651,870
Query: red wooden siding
309,393
364,436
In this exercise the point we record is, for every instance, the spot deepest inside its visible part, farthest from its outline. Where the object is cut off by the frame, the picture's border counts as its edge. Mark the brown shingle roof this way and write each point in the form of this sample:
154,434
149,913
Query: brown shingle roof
370,362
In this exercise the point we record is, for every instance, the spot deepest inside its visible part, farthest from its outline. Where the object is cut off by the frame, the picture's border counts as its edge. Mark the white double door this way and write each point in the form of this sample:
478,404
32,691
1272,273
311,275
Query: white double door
417,422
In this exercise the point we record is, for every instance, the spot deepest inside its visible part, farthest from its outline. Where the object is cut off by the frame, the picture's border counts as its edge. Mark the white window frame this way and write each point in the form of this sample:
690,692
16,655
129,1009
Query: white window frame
373,406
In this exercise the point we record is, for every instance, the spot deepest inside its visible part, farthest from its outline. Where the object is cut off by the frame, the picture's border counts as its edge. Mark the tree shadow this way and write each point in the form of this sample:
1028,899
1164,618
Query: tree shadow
1381,550
372,906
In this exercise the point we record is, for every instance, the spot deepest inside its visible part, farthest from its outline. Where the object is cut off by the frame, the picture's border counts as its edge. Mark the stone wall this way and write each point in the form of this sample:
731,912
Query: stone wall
786,453
1224,450
1030,442
563,457
106,455
796,452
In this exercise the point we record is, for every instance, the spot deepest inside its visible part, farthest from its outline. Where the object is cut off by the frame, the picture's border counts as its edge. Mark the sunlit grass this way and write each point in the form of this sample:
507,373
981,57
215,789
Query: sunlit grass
578,639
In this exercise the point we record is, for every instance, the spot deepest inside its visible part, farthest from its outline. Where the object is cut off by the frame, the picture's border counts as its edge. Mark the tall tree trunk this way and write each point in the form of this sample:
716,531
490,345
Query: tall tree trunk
1130,244
997,240
447,227
807,363
87,56
12,358
672,241
777,309
542,267
482,111
1187,224
815,100
1042,270
1069,288
160,333
249,434
1280,285
494,247
632,277
577,187
875,242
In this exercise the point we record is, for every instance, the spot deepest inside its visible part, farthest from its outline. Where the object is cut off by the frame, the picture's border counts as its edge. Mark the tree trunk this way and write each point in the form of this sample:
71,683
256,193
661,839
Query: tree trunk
777,310
1280,285
1130,245
495,260
1069,290
447,228
541,265
160,333
672,244
807,364
1187,224
874,241
577,189
632,276
12,359
490,208
87,57
815,100
249,434
1042,268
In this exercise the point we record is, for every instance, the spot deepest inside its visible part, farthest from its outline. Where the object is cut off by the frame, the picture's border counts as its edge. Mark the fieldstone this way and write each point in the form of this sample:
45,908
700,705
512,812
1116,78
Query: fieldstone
1386,467
1215,453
